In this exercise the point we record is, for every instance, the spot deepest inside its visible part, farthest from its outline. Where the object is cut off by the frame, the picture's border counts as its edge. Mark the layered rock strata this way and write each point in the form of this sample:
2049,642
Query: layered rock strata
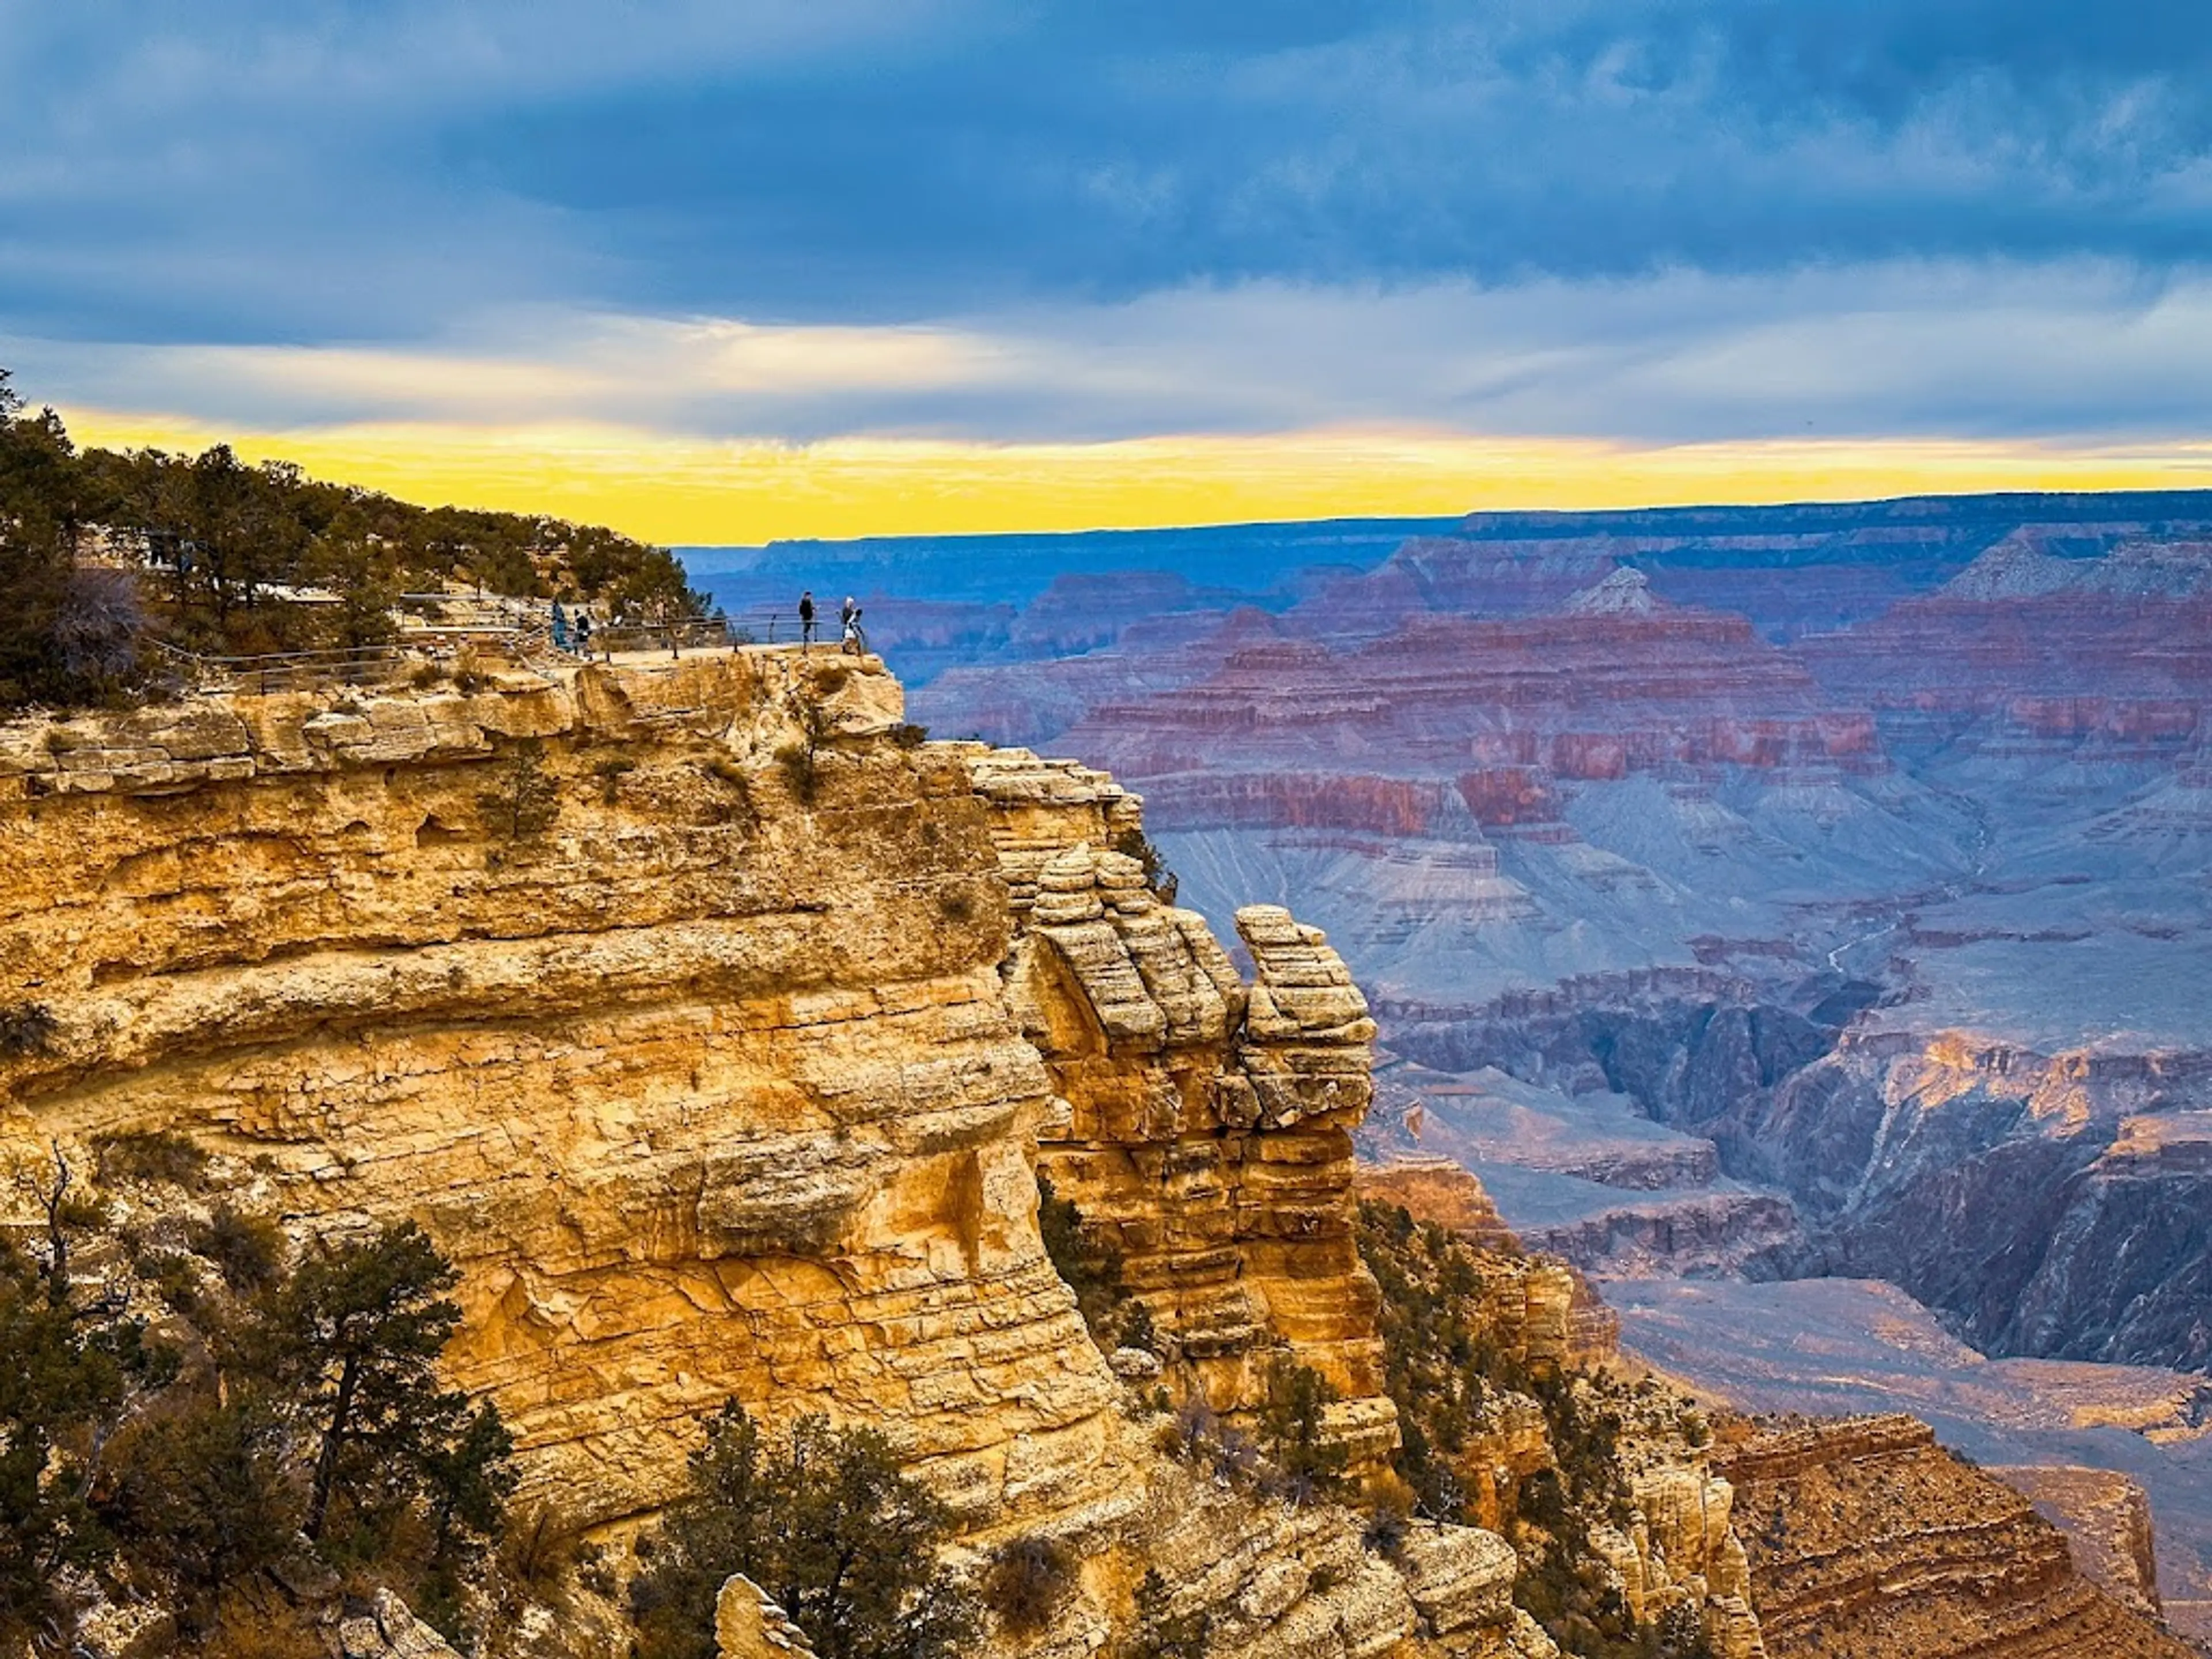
706,1086
686,1008
1673,1546
1867,1538
2106,1519
1541,1311
1202,1127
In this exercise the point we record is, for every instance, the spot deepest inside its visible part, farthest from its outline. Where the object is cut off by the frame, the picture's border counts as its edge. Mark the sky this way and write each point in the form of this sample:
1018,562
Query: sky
720,271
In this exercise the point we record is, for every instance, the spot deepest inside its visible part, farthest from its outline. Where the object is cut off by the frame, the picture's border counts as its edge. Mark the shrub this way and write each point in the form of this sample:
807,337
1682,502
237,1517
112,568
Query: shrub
247,1250
526,800
1136,844
203,1497
822,1519
908,735
1161,1632
64,1385
151,1155
610,773
539,1552
1292,1430
1028,1582
1445,1370
263,1624
1091,1269
800,759
1384,1532
25,1029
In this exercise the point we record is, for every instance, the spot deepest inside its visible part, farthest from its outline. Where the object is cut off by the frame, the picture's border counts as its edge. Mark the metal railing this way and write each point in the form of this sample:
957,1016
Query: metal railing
286,670
444,648
725,633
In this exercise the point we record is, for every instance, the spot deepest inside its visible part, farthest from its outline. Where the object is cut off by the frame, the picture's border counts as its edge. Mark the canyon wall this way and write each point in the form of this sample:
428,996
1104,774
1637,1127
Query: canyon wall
687,1007
693,1076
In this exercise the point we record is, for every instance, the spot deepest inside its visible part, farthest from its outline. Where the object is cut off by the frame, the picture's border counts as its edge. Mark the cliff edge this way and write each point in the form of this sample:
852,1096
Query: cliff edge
712,1023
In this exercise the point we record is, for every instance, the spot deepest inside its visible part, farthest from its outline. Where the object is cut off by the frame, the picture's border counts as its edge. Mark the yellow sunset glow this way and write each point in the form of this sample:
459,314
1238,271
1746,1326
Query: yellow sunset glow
674,489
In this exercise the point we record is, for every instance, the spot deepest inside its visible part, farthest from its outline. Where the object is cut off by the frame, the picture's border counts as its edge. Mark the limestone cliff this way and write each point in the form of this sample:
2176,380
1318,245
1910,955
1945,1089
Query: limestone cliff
1201,1126
696,1080
1663,1530
711,1025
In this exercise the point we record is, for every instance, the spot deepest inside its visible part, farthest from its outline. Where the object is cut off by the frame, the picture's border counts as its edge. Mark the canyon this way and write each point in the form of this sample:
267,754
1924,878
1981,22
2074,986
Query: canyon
1748,894
720,1028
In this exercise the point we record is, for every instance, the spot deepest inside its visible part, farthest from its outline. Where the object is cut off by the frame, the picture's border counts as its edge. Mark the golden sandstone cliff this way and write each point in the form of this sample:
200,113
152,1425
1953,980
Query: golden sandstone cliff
717,1029
684,1005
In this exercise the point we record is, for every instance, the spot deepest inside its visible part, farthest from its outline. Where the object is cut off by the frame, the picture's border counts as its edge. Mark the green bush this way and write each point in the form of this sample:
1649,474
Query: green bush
527,800
159,1155
247,1250
1029,1582
1161,1632
1136,844
219,537
25,1029
1446,1372
295,1401
824,1520
1292,1430
1092,1269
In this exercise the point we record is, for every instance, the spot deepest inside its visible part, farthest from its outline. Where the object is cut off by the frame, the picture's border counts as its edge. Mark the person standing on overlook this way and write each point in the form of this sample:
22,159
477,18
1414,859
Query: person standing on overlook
806,617
852,610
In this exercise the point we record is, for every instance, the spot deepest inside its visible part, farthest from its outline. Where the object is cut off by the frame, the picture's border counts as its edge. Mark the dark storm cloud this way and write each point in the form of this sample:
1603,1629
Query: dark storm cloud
1107,150
225,171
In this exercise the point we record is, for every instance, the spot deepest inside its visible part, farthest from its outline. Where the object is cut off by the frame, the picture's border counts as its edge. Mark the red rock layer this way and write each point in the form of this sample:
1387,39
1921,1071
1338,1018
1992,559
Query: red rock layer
2121,671
1529,701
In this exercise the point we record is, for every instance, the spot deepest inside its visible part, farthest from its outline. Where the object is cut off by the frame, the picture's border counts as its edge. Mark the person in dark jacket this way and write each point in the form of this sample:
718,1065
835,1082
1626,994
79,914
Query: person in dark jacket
806,617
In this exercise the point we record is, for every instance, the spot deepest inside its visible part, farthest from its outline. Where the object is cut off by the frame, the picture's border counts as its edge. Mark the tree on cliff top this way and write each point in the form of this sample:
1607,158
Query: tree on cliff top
67,635
822,1519
218,536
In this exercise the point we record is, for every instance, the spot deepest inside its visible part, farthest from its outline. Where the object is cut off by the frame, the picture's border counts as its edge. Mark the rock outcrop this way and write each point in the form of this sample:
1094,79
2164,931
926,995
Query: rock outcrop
1867,1538
2071,1189
1201,1126
2106,1520
693,1076
749,1624
1541,1311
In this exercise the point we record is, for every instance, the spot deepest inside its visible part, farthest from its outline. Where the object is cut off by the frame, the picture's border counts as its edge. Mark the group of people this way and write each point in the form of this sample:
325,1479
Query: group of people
572,636
572,632
854,640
